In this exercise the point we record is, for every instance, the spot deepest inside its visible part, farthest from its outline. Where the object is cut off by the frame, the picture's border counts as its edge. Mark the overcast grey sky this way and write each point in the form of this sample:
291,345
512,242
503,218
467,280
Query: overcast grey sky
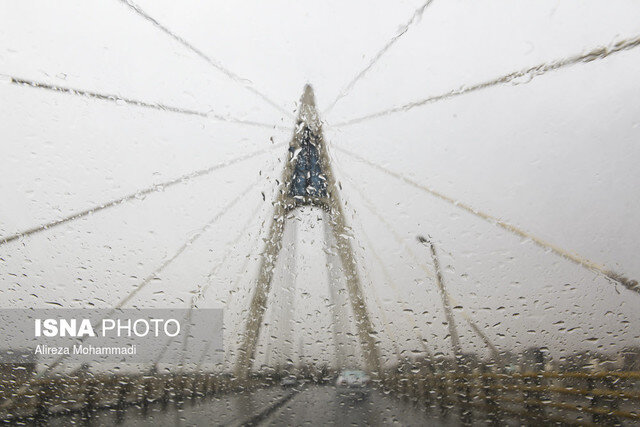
557,156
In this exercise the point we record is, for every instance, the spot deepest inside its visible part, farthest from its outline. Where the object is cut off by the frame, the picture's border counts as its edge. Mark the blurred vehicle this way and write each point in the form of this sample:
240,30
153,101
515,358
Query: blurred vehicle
289,381
353,382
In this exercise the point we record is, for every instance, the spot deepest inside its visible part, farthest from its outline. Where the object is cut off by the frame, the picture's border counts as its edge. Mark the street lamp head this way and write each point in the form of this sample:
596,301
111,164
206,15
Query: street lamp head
422,239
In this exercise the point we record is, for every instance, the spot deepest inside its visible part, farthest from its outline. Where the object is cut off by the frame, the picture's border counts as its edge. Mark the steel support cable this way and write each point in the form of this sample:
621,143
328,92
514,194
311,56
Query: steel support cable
492,348
446,305
342,336
169,341
267,332
278,319
187,332
417,15
203,355
168,261
235,289
389,227
236,286
232,292
474,326
335,302
288,292
190,241
399,299
134,102
381,263
392,337
529,74
205,352
201,290
162,352
211,61
135,196
577,259
494,351
466,316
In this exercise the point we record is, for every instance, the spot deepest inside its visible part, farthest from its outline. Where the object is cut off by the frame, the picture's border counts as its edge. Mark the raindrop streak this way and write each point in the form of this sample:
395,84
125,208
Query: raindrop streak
525,76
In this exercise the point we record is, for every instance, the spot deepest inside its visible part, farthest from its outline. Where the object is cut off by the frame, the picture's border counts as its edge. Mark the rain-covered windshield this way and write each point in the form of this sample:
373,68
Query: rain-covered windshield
235,205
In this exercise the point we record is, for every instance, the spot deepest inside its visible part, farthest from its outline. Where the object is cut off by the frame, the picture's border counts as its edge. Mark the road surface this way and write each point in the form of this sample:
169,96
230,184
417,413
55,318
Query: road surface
308,405
318,405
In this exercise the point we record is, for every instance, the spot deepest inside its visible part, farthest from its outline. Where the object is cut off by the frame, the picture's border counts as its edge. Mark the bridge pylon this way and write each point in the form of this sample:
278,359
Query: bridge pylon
307,180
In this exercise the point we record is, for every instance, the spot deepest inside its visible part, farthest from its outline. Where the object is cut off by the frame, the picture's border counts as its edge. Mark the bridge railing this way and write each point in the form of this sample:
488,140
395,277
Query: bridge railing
38,399
566,397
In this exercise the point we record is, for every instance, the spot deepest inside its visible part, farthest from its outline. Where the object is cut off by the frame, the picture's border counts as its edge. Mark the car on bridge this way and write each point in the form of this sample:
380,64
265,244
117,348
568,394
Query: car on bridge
289,381
353,382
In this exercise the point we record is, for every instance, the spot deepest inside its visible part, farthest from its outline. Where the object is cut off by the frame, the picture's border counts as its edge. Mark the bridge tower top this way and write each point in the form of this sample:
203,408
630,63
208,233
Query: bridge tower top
308,158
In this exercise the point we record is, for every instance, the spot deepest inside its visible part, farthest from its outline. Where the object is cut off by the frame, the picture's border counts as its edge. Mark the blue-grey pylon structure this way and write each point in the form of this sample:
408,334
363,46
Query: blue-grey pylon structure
307,180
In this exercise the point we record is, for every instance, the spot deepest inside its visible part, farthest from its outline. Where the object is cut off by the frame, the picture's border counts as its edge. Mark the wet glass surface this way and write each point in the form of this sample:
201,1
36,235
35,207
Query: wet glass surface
417,213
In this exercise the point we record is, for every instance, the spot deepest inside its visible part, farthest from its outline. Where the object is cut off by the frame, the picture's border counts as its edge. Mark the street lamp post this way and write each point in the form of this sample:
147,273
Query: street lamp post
453,332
